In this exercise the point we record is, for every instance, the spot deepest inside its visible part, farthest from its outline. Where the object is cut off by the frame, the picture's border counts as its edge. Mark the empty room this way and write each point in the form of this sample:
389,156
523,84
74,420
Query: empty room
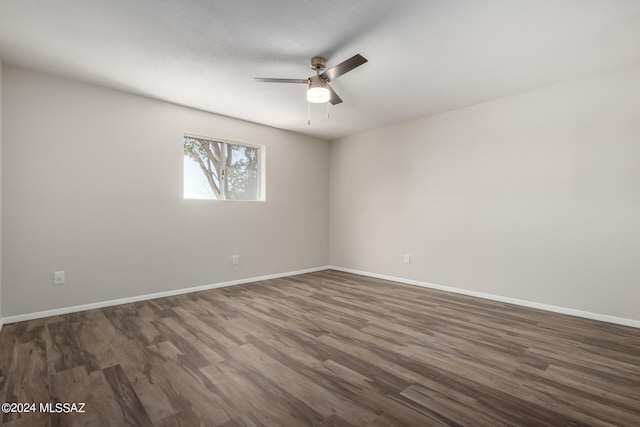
304,213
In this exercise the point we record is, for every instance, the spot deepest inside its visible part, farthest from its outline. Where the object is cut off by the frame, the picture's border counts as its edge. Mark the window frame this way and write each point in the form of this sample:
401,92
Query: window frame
261,196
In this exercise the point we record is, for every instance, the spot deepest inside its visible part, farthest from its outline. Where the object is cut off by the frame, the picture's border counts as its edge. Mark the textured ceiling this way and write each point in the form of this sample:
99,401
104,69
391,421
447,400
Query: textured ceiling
424,56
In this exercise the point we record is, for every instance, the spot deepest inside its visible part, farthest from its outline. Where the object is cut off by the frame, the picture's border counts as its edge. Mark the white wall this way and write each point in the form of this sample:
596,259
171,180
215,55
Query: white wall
93,186
534,197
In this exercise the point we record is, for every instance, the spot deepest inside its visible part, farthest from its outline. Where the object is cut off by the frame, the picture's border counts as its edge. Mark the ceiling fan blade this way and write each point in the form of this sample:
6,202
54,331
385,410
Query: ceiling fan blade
344,67
335,99
268,80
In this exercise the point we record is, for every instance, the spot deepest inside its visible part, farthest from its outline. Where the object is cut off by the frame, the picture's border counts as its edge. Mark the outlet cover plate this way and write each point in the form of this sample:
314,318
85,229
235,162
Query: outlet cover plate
58,277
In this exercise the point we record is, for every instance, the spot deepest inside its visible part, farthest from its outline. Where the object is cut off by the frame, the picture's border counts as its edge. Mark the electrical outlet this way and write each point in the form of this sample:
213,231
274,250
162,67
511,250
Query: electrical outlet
234,260
407,259
58,277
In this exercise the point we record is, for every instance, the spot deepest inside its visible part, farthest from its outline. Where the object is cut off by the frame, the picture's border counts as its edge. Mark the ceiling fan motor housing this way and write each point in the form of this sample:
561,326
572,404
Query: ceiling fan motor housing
318,63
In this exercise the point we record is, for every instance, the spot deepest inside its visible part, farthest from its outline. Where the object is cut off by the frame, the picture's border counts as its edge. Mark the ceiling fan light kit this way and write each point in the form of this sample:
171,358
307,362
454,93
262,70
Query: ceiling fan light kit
318,92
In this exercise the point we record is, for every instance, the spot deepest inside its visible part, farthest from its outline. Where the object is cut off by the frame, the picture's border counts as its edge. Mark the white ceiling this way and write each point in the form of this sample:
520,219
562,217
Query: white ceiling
424,56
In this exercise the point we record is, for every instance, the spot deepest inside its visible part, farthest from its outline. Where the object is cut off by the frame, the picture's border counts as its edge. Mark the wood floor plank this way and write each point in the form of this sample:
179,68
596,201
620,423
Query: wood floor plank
255,393
130,405
322,349
63,349
300,385
458,408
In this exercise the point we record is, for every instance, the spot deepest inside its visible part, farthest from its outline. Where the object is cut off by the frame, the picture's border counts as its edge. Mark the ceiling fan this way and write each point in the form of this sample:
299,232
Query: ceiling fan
318,89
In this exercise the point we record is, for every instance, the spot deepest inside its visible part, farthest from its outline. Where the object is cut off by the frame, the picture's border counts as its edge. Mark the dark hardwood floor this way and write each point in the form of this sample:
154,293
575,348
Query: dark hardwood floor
322,349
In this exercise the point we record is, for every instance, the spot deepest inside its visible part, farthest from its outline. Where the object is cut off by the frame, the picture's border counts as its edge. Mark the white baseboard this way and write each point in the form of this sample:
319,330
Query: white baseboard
524,303
92,306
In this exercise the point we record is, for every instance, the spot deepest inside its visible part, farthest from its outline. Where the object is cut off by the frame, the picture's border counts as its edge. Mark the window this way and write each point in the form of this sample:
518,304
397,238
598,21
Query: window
221,170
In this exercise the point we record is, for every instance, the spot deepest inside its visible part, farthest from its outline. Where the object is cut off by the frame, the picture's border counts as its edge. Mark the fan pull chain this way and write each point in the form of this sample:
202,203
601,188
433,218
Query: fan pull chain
327,110
308,114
